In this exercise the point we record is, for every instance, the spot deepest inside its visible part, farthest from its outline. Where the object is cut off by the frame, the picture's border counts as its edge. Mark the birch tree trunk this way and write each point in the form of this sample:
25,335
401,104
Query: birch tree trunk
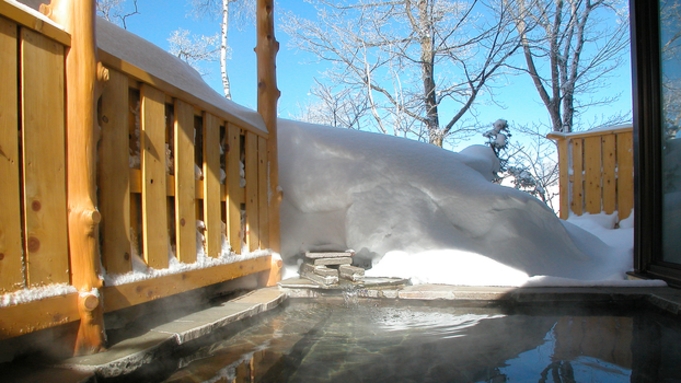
224,34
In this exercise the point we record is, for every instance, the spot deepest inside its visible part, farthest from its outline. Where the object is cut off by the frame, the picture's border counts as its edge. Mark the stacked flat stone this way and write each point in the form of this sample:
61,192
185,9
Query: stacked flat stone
327,267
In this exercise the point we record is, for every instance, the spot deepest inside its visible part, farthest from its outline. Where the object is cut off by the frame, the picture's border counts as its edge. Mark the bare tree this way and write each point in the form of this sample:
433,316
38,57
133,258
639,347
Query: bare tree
406,58
533,168
340,108
193,49
114,11
570,47
225,10
670,17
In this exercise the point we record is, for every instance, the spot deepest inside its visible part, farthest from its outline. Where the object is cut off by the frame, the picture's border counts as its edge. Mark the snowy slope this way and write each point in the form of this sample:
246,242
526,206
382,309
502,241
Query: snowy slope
414,210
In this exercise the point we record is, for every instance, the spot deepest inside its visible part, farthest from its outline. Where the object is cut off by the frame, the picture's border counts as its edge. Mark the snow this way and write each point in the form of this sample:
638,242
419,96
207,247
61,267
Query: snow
140,271
154,60
415,211
36,293
408,209
32,9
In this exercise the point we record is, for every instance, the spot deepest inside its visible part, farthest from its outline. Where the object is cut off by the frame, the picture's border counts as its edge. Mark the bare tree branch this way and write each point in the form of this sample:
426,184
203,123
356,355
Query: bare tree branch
406,57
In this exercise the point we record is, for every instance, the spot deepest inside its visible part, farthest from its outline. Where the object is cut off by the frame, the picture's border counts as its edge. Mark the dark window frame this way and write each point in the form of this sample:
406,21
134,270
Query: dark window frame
645,59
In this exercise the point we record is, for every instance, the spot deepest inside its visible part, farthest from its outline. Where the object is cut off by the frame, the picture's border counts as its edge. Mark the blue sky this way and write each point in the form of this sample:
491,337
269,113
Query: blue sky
296,70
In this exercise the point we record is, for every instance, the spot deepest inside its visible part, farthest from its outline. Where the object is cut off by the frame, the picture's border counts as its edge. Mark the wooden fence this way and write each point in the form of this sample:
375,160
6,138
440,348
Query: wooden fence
596,171
161,153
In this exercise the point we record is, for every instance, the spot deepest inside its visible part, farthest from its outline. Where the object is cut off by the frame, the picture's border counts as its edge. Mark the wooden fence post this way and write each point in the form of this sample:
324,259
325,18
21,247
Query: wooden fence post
84,78
268,95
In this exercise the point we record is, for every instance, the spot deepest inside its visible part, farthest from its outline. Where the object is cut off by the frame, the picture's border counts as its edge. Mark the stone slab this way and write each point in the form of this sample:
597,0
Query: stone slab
329,254
337,261
325,281
204,322
352,273
269,297
133,353
322,271
124,357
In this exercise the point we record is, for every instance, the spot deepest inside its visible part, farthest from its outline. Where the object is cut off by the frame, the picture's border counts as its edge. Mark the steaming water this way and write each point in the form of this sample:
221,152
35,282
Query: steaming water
351,340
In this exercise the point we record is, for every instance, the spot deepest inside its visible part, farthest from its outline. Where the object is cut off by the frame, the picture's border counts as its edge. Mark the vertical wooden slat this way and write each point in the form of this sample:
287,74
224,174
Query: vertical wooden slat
211,184
234,191
577,200
185,194
263,214
625,175
563,180
252,191
592,176
154,213
608,145
44,159
114,181
11,274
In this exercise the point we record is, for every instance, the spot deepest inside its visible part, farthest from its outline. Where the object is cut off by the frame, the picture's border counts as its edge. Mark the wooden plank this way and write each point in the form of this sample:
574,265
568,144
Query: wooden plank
38,24
44,159
211,185
233,190
625,175
590,133
251,167
135,176
112,61
592,174
153,164
113,175
577,195
608,146
123,296
11,253
184,182
38,315
263,208
563,178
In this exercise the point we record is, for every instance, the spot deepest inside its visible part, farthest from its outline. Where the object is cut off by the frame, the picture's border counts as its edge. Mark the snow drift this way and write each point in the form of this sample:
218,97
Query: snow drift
409,209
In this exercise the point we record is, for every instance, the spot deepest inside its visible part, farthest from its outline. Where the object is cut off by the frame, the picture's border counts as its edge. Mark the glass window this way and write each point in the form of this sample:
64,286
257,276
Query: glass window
670,77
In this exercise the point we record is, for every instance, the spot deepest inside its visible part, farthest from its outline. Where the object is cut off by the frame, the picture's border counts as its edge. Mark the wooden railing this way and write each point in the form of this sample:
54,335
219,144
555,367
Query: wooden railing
596,171
161,153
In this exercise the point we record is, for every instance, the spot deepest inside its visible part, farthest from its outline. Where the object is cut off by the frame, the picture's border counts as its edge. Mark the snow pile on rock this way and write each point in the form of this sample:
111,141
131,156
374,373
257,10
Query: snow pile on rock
412,210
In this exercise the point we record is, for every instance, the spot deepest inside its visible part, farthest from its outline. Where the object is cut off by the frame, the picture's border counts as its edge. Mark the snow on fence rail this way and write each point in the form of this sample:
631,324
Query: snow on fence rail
596,170
161,153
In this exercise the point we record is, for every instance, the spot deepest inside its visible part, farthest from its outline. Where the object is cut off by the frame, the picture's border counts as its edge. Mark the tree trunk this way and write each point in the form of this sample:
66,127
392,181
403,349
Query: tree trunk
268,96
428,75
224,31
84,78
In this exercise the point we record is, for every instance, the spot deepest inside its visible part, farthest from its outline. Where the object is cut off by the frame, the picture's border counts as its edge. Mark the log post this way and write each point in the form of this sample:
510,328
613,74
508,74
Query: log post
84,80
266,50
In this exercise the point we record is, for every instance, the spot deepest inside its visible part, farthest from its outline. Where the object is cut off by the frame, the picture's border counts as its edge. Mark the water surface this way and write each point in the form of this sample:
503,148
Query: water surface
389,341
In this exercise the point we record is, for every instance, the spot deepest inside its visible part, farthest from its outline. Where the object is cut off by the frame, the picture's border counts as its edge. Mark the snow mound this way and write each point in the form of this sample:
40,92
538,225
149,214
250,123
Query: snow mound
409,209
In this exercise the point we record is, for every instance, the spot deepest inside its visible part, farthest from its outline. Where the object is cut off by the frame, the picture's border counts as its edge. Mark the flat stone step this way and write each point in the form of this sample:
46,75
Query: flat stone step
319,274
352,273
336,261
132,353
329,254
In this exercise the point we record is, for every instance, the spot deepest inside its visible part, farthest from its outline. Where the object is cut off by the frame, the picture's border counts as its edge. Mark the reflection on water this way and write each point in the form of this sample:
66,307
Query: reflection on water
378,341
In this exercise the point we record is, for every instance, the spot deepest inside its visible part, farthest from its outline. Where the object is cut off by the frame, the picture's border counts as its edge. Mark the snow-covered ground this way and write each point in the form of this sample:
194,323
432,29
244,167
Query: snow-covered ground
412,210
